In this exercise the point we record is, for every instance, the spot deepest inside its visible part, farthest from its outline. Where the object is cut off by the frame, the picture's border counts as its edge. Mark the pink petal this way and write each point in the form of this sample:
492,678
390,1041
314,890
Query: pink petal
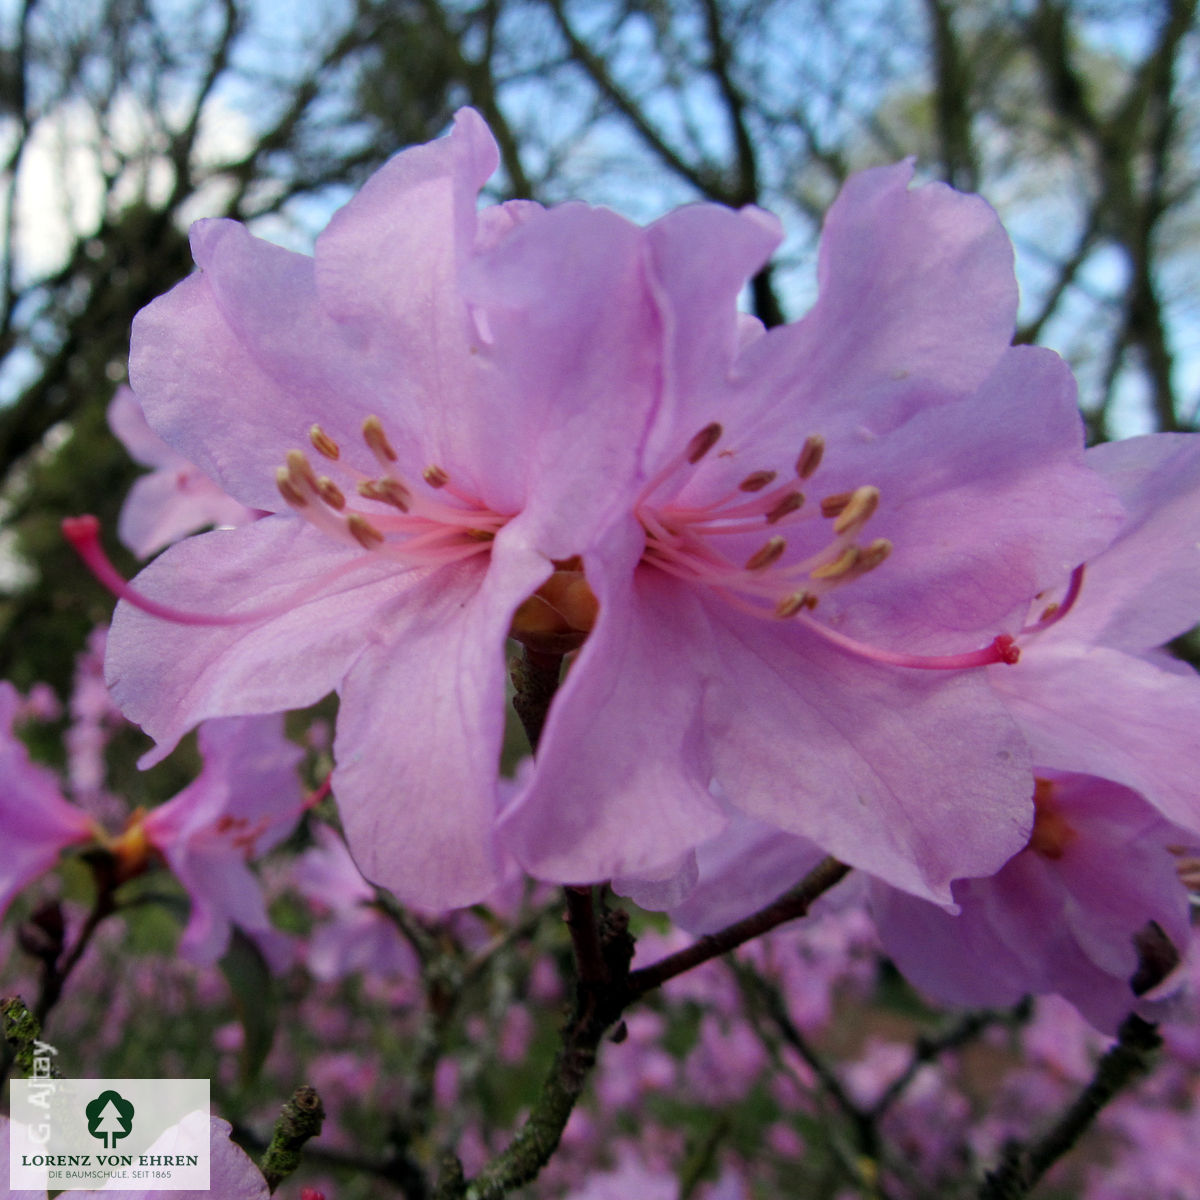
917,777
1104,713
697,295
419,731
622,774
38,823
129,426
915,285
1145,588
167,505
285,662
986,502
569,374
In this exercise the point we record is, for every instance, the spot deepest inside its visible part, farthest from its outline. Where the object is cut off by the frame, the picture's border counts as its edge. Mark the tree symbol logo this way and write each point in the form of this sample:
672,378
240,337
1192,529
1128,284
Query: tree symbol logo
109,1117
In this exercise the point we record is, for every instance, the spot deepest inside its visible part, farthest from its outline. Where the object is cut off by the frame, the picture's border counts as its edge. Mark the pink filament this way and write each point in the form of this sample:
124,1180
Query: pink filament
1064,606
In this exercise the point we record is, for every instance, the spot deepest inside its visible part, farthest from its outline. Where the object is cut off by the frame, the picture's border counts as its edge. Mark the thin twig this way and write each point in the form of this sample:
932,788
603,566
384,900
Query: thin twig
1126,1062
790,906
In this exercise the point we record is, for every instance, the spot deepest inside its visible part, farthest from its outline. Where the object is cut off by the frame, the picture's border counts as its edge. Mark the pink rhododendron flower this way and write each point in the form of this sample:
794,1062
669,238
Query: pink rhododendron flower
175,498
1091,909
555,423
38,822
1093,692
245,800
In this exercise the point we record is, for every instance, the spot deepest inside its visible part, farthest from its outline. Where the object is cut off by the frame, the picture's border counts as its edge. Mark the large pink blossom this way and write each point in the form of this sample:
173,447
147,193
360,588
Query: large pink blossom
469,422
1091,908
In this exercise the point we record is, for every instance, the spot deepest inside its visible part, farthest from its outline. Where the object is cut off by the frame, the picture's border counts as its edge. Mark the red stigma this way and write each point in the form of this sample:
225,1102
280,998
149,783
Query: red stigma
1007,650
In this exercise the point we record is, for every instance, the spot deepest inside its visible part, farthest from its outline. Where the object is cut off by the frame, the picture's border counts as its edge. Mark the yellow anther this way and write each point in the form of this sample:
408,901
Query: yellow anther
703,442
435,476
377,440
283,481
766,554
386,491
832,506
756,481
300,472
323,444
363,532
873,554
331,493
842,565
858,511
789,606
810,457
789,504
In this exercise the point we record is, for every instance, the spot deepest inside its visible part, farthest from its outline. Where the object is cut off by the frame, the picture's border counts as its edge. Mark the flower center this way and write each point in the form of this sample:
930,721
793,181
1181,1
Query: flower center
557,618
1052,832
386,513
684,540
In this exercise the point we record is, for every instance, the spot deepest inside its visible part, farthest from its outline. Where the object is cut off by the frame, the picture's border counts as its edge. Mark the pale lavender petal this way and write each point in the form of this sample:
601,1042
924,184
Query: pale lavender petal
915,776
250,773
5,1151
1101,712
209,396
697,294
164,506
232,1174
916,291
280,663
223,892
129,426
742,870
419,732
569,373
623,748
38,822
1145,588
1062,922
986,502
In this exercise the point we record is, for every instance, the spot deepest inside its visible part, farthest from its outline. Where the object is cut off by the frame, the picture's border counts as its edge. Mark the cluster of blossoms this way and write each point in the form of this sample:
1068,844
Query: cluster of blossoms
246,799
849,586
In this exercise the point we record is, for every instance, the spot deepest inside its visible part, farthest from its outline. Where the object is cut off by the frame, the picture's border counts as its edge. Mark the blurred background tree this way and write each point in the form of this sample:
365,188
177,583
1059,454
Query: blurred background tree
123,120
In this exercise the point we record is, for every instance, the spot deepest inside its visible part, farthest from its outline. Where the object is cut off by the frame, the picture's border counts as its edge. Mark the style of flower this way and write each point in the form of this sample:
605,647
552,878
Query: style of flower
175,498
554,424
